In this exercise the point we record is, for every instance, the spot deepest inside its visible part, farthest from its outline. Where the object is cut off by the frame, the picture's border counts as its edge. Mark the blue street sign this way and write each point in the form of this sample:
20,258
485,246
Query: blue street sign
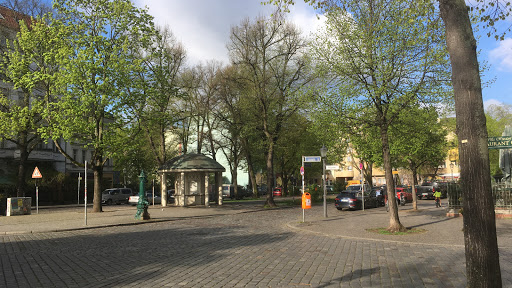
312,158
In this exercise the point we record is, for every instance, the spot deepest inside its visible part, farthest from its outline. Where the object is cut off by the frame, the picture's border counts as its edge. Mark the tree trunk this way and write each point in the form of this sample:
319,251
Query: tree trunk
394,220
21,185
414,170
98,179
250,167
270,174
482,257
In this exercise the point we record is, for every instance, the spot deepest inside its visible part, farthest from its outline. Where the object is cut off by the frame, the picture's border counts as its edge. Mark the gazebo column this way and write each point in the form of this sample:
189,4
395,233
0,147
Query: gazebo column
183,198
219,186
206,196
163,191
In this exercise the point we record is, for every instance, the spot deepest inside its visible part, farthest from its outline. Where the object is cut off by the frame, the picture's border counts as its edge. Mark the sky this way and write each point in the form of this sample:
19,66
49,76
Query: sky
203,26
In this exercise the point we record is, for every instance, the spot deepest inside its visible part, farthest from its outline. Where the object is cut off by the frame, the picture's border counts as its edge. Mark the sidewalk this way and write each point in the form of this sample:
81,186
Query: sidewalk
439,229
73,217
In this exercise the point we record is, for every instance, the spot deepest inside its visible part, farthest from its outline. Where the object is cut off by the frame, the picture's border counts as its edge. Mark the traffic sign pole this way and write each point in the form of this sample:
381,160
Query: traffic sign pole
78,193
37,175
85,192
37,199
302,173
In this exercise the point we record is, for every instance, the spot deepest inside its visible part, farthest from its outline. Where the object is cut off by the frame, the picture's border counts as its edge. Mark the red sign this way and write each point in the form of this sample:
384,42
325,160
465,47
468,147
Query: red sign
302,171
36,173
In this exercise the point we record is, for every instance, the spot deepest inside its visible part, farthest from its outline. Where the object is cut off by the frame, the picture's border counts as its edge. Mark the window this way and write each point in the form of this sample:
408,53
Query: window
349,168
75,153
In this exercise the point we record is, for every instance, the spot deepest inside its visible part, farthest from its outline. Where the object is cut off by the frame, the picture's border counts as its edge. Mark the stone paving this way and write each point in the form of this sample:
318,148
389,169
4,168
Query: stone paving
242,247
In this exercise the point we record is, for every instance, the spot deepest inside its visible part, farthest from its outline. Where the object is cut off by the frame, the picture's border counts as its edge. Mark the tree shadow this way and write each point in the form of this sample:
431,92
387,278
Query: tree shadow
112,257
357,274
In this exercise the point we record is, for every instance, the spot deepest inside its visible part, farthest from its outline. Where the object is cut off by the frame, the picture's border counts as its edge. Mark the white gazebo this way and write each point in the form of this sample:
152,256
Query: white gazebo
192,174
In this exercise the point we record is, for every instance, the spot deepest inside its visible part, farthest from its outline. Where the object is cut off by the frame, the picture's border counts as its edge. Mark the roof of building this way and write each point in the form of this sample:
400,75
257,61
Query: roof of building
192,163
10,18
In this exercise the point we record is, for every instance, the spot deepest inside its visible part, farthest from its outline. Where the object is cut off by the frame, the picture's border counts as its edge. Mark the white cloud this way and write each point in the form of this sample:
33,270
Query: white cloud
502,55
204,26
490,102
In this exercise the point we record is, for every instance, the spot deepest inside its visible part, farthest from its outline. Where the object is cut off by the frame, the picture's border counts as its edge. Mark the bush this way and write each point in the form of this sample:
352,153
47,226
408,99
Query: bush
340,186
315,192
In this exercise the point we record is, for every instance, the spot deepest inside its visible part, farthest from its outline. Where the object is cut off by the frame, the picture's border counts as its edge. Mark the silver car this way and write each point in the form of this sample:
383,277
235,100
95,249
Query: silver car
116,196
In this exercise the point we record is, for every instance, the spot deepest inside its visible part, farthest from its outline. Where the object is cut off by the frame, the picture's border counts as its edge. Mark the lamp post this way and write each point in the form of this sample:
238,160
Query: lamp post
323,153
451,168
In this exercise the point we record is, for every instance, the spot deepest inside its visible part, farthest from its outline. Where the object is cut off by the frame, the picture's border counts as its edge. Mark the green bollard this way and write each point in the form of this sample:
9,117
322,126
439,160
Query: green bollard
142,205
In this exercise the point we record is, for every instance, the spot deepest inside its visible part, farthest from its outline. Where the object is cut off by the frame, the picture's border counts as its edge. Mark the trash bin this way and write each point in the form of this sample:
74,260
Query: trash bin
306,201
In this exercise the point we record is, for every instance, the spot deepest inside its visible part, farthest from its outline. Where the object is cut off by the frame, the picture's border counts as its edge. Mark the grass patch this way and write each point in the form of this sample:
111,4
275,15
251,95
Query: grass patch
384,231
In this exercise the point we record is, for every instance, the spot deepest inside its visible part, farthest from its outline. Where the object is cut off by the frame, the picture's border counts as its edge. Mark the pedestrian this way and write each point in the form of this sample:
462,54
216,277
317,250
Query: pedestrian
437,196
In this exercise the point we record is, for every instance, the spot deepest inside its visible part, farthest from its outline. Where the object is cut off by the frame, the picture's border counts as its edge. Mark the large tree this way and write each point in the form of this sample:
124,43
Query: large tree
388,69
272,53
93,106
482,257
158,95
418,139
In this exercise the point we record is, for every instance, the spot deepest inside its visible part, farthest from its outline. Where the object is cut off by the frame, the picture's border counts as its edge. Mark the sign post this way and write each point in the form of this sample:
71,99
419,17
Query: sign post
78,193
307,159
362,180
302,174
85,192
37,175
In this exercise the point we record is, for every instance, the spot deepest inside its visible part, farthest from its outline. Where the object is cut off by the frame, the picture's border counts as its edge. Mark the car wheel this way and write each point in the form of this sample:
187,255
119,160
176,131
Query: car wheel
376,204
339,208
109,202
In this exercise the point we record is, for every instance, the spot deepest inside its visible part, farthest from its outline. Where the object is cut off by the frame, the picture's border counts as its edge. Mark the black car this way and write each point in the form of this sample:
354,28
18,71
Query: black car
353,200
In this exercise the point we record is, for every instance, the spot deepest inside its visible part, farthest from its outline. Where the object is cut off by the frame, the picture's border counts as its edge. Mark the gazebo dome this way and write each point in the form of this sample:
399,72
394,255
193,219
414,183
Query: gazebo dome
191,163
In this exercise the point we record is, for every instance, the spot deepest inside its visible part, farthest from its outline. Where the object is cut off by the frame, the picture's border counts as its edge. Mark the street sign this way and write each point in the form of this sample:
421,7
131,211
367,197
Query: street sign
503,142
312,158
302,171
332,167
36,174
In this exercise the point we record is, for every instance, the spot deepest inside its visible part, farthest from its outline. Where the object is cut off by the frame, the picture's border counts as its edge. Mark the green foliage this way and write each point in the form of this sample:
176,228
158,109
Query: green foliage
315,192
418,139
340,186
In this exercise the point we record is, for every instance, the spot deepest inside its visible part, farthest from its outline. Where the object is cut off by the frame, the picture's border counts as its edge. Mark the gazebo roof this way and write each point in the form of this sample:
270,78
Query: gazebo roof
191,163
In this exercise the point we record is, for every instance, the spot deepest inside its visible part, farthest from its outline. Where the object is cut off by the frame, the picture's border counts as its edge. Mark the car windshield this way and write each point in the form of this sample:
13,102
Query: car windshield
108,191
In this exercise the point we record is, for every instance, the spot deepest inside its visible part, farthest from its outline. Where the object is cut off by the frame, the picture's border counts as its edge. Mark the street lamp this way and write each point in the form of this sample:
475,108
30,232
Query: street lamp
451,167
323,153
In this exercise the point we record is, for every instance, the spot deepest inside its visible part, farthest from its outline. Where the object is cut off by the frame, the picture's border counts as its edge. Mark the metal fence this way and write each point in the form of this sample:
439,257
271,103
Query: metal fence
501,193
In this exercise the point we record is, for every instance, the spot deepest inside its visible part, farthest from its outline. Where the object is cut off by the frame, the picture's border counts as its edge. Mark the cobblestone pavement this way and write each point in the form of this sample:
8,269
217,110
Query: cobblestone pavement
263,248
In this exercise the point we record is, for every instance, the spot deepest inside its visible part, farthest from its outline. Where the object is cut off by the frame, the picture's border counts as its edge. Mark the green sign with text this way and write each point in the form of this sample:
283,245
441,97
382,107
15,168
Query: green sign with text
503,142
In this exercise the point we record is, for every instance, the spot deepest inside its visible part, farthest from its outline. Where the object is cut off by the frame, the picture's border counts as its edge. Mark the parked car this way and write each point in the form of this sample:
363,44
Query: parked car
228,191
358,188
116,196
406,191
262,189
425,192
278,191
134,199
380,193
353,200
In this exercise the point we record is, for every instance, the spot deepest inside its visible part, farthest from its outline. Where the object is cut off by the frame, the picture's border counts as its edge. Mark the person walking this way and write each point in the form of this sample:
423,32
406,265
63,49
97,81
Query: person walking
437,196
